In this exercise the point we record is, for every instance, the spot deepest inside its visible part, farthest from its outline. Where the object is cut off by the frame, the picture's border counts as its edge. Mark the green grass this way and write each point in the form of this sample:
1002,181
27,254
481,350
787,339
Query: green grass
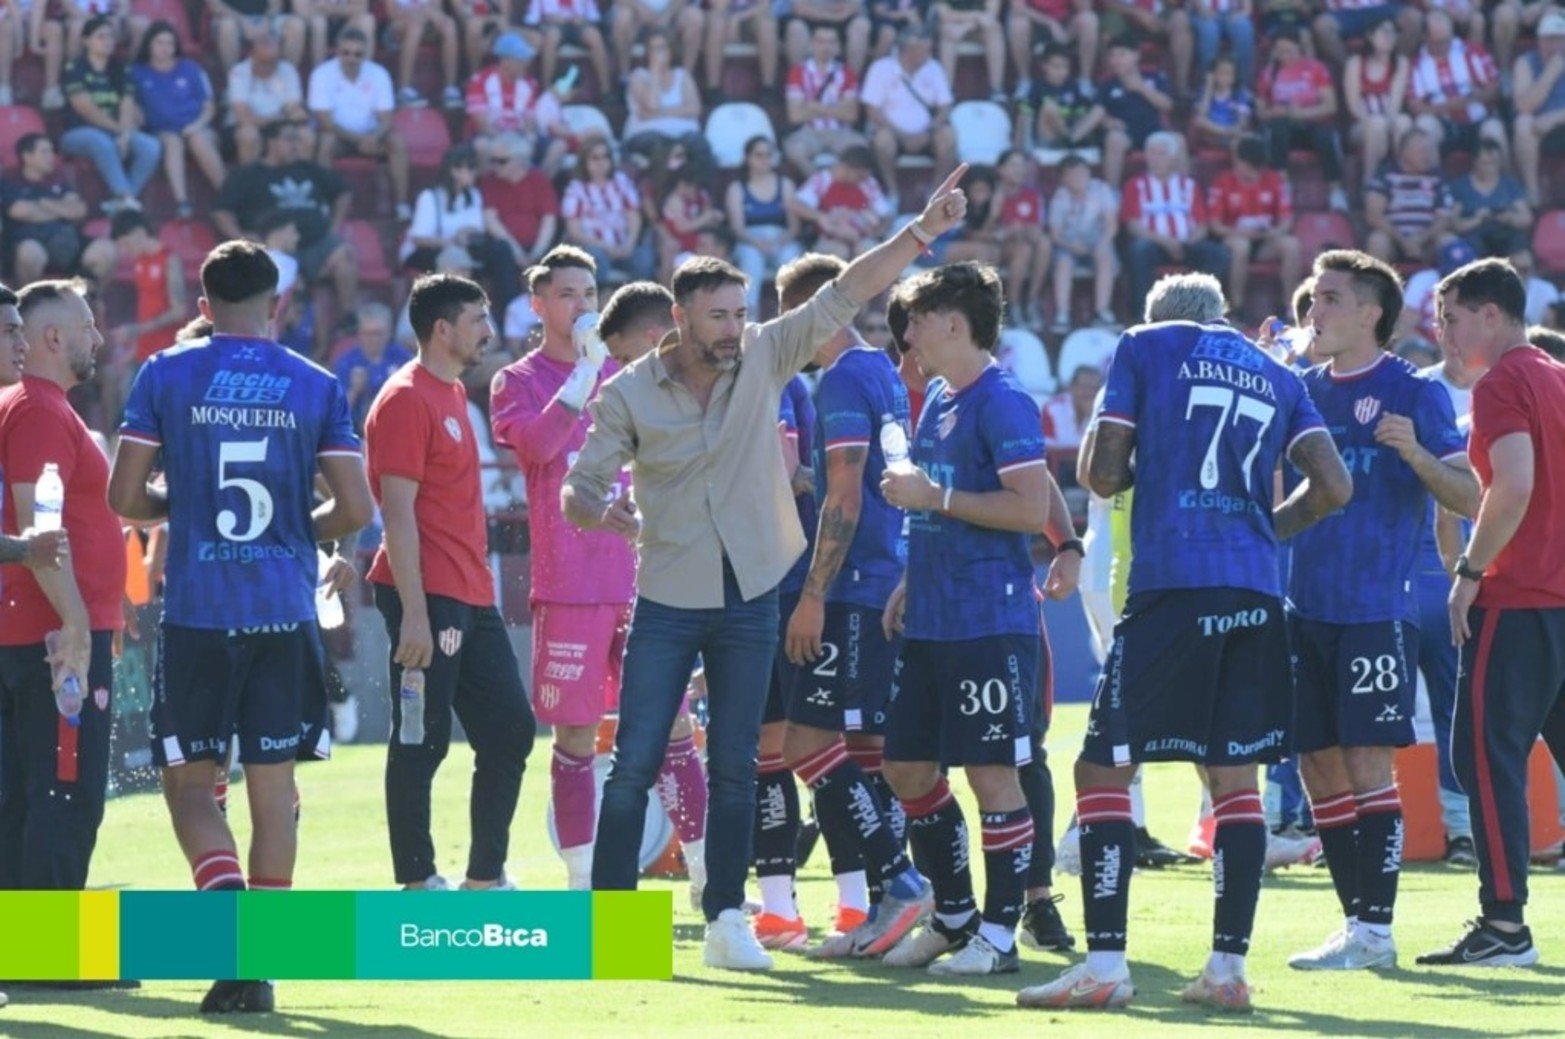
344,846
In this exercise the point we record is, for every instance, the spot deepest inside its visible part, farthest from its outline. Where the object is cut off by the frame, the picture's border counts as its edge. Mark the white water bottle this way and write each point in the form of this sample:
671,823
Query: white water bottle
412,729
49,499
328,604
68,697
893,445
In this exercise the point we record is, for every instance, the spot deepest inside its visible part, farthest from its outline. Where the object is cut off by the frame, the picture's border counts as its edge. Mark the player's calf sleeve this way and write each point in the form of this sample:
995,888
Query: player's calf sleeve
217,870
1337,824
776,818
938,831
1108,855
575,798
682,789
1008,847
845,804
1379,857
1238,859
869,760
1038,788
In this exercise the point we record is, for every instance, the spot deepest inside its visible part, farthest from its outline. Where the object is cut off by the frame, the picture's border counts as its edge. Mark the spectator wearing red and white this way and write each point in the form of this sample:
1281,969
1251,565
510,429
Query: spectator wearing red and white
850,18
726,20
162,304
1346,20
413,20
1164,215
823,103
846,205
503,98
686,213
1374,87
1454,88
1297,104
263,89
1016,222
352,99
1251,209
960,20
1067,414
665,106
551,24
1406,205
680,18
1165,20
521,197
1054,23
602,211
1538,84
907,103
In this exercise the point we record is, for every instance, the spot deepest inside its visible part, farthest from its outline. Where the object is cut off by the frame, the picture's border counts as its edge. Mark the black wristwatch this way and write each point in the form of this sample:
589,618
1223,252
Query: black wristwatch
1071,545
1465,571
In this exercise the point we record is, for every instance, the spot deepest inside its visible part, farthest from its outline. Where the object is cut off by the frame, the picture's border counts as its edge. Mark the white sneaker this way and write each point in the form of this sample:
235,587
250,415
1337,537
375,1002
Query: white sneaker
1349,950
53,98
977,957
345,720
923,946
1282,850
1077,987
1067,854
435,883
505,883
731,944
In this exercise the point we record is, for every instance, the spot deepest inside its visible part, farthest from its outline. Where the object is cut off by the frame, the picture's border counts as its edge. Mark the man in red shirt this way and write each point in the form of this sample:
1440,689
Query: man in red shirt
1252,213
1164,215
521,197
435,590
1297,103
1507,598
56,770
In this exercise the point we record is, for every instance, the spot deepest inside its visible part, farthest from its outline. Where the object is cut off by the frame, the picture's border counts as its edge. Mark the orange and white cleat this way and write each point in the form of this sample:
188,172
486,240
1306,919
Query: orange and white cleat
1228,994
779,933
840,942
1077,989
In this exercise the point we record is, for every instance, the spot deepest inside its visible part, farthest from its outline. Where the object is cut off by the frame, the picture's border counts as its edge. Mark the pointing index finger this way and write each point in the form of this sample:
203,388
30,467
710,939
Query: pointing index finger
950,183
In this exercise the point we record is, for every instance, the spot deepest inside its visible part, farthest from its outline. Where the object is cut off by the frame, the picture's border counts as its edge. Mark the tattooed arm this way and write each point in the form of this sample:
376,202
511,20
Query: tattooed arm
1327,486
1105,458
839,521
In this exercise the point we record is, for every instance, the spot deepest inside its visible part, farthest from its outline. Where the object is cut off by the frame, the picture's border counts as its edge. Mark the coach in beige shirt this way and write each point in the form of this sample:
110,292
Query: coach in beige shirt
696,420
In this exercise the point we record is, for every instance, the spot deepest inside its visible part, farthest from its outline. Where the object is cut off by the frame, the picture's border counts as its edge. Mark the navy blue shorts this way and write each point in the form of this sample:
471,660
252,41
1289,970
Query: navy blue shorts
1194,674
1355,687
784,674
848,685
265,687
969,702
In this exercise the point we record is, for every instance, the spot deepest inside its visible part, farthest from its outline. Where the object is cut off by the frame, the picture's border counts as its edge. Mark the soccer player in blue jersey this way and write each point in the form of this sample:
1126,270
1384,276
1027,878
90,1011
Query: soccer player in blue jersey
1197,418
241,426
967,676
1354,607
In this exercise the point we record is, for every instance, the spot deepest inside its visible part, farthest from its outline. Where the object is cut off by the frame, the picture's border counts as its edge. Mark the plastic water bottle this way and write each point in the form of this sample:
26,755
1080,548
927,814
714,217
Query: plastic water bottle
328,605
567,83
49,499
67,698
412,730
893,445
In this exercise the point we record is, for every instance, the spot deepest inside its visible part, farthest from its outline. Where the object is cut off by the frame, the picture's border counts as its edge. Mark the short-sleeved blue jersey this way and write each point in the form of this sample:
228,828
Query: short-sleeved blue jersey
241,423
1213,416
965,581
797,415
1359,564
859,395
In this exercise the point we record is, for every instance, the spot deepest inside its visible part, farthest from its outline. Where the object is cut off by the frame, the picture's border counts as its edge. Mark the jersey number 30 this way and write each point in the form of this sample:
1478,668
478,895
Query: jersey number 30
237,453
1238,406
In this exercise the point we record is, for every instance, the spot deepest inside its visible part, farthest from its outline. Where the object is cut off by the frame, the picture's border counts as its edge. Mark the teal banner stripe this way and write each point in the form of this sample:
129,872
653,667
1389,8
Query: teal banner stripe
179,935
475,935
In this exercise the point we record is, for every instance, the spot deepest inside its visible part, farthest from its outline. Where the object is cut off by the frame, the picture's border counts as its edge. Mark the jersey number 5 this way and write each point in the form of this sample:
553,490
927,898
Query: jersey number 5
237,453
1239,406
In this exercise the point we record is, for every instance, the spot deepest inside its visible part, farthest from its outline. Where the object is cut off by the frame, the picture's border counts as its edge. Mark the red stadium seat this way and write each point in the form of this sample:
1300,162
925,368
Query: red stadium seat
16,122
365,242
190,240
1548,241
426,134
173,12
1318,232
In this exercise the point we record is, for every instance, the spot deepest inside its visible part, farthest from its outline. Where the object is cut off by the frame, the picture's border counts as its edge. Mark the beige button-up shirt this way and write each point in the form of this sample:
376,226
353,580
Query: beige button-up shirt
708,484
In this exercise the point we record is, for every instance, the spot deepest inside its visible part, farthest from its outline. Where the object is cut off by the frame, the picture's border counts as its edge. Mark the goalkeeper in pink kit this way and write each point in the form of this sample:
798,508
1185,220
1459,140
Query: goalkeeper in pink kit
582,582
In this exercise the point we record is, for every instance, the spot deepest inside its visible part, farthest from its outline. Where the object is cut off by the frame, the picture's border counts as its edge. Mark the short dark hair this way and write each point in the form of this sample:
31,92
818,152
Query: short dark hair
970,289
896,323
1303,297
1489,144
703,274
440,297
1490,280
559,258
1251,150
51,290
353,35
1071,161
273,130
156,29
96,22
128,220
7,296
633,306
238,271
800,279
1374,281
28,143
1545,339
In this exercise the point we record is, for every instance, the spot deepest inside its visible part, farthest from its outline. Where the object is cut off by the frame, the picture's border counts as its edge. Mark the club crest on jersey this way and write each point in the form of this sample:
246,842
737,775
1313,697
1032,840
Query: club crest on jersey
100,696
947,423
454,428
450,641
1365,409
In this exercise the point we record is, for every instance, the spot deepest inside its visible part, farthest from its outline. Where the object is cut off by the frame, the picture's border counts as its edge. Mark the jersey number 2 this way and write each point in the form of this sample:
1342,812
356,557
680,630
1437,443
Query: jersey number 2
1239,406
237,453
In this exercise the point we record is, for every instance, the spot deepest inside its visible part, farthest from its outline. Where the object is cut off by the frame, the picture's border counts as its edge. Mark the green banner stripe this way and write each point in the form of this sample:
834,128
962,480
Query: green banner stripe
633,935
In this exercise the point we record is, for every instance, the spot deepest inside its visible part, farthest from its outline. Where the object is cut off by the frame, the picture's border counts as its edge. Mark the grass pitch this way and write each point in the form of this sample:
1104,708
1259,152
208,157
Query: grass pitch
343,845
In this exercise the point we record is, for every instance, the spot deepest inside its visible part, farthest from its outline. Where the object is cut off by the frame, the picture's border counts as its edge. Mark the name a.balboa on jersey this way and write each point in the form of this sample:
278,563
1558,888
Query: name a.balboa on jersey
1252,382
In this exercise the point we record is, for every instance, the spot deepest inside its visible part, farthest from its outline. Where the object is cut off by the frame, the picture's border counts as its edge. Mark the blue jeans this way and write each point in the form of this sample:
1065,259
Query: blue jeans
1437,660
100,148
736,644
1239,29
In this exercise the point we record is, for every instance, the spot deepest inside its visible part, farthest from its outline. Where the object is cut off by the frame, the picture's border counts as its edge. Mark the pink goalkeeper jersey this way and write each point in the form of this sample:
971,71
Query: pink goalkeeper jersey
569,565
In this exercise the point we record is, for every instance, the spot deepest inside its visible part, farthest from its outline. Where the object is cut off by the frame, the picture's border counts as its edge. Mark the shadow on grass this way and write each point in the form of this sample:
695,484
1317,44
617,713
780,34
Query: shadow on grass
181,1019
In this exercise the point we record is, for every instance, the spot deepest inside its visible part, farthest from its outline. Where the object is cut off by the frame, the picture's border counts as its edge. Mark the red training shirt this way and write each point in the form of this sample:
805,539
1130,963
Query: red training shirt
1250,205
38,426
150,275
521,204
1525,393
418,429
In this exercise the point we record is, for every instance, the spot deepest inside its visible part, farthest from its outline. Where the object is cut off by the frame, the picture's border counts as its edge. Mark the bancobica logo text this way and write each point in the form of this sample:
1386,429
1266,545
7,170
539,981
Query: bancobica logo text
488,936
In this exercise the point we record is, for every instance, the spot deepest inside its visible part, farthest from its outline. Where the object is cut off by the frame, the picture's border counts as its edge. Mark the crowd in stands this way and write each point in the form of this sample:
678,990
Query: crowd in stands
364,141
